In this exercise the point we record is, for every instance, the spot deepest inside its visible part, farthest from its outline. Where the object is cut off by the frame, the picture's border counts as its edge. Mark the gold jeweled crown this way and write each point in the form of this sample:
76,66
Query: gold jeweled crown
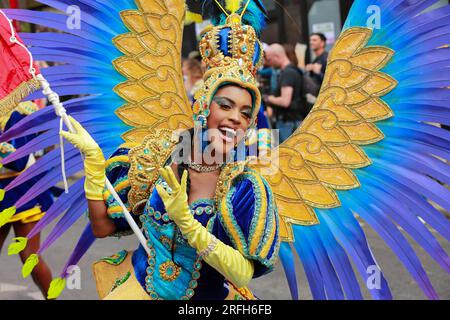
242,44
232,53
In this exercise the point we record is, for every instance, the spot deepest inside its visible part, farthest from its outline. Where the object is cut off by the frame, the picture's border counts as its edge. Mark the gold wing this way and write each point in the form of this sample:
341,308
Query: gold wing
318,158
154,91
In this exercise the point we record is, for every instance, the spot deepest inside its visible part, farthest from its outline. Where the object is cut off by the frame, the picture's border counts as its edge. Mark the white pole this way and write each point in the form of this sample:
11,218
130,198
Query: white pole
61,112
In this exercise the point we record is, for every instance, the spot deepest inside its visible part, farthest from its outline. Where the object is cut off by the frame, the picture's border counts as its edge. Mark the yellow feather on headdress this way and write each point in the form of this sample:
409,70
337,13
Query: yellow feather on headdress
192,17
233,5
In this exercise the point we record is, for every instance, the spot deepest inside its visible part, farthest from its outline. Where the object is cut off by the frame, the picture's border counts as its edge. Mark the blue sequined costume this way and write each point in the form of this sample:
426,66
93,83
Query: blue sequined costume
176,272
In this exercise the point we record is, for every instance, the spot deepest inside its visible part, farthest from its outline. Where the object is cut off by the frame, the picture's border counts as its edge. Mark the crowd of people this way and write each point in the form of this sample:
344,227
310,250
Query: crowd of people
288,85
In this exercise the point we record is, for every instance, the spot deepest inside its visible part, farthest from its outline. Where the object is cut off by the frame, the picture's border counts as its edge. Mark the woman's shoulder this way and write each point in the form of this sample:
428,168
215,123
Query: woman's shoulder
122,150
249,193
118,159
249,217
251,179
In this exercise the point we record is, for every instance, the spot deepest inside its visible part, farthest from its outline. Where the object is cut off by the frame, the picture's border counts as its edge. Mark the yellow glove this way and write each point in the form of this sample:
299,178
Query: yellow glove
225,259
94,161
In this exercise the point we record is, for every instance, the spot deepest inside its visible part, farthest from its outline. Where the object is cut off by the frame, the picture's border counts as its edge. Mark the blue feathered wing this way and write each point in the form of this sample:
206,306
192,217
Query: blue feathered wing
369,149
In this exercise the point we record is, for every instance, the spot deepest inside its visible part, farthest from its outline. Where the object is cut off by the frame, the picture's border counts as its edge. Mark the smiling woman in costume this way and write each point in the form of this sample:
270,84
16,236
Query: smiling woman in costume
210,236
366,148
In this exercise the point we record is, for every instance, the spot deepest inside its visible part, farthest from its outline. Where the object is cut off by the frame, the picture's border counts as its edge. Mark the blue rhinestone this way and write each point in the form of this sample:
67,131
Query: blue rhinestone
146,151
195,275
139,167
165,217
157,215
193,283
244,48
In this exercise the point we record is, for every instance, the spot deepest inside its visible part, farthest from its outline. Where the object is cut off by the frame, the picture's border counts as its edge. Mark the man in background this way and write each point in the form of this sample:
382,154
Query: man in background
287,102
318,43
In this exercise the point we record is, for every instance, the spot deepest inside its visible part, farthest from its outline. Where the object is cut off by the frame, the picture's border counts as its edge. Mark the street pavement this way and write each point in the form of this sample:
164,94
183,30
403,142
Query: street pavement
271,286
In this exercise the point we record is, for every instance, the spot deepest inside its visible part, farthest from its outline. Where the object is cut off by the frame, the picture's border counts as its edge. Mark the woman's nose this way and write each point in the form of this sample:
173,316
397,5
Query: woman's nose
234,115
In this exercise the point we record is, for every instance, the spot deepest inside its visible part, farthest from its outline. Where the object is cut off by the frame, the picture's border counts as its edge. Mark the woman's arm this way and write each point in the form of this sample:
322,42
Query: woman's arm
225,259
102,225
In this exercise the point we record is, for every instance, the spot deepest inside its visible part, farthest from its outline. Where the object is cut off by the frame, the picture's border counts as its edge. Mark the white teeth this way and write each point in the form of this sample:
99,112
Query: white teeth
229,134
227,139
229,130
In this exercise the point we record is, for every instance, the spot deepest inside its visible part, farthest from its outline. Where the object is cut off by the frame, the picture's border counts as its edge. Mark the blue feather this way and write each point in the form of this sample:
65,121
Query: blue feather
255,15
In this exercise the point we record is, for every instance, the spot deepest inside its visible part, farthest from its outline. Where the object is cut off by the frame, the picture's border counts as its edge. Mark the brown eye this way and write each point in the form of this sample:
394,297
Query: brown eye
247,113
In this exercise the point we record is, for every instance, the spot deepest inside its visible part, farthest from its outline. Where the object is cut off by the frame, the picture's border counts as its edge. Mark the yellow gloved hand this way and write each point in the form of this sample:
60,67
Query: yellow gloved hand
176,203
94,161
225,259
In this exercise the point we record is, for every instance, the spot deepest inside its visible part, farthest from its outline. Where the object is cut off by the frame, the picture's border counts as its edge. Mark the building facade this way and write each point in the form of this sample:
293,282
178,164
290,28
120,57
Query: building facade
292,21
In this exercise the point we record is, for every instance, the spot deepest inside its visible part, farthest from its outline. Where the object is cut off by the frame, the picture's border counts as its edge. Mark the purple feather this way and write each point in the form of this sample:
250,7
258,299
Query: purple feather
395,240
50,161
63,203
310,265
65,223
348,232
43,141
84,243
48,181
287,258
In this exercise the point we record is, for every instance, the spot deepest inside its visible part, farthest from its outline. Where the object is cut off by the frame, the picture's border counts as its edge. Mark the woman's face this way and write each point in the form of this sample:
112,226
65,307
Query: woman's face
229,118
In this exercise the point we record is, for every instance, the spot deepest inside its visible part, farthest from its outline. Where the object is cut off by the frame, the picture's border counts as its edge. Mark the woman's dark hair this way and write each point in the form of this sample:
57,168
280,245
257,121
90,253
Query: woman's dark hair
180,169
290,52
184,166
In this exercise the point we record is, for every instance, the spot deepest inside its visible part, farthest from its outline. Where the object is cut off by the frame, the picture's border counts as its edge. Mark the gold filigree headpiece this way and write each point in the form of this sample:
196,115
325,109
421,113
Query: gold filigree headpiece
221,45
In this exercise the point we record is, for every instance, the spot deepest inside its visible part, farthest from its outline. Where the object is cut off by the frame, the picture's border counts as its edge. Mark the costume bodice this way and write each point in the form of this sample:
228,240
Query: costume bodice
244,218
173,266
